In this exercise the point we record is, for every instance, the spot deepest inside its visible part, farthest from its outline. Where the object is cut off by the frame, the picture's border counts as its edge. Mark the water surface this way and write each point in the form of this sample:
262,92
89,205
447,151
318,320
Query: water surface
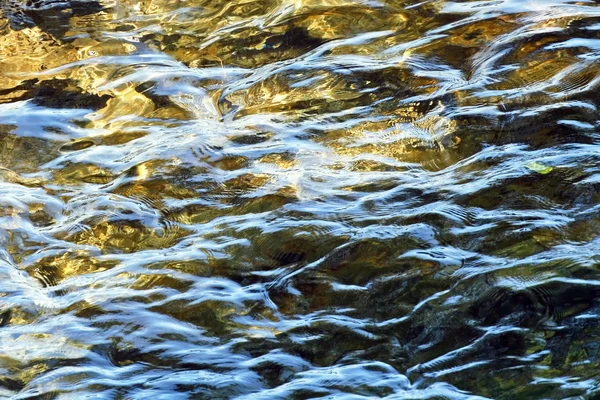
299,199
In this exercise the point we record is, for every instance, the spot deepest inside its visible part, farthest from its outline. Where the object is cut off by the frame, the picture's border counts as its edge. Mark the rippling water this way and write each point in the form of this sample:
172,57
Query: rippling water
299,198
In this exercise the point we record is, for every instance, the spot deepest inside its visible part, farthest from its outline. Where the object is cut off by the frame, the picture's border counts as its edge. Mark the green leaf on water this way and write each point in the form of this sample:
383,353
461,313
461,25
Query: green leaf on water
539,168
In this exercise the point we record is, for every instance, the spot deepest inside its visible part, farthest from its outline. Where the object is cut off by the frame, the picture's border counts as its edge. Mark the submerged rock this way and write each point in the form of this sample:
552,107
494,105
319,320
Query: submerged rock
27,14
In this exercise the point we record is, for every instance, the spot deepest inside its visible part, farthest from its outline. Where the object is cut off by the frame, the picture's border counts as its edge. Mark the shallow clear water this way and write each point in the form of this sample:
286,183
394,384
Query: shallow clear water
299,199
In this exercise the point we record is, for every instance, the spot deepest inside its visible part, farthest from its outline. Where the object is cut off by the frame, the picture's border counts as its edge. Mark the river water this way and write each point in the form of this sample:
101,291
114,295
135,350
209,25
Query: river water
342,199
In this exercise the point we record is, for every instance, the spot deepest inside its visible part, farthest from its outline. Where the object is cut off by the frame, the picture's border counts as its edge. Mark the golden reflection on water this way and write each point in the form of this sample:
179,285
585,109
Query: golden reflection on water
287,185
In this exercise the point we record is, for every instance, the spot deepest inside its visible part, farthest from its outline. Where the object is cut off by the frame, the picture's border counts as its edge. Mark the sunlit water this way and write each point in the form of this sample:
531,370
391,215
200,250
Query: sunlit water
299,198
